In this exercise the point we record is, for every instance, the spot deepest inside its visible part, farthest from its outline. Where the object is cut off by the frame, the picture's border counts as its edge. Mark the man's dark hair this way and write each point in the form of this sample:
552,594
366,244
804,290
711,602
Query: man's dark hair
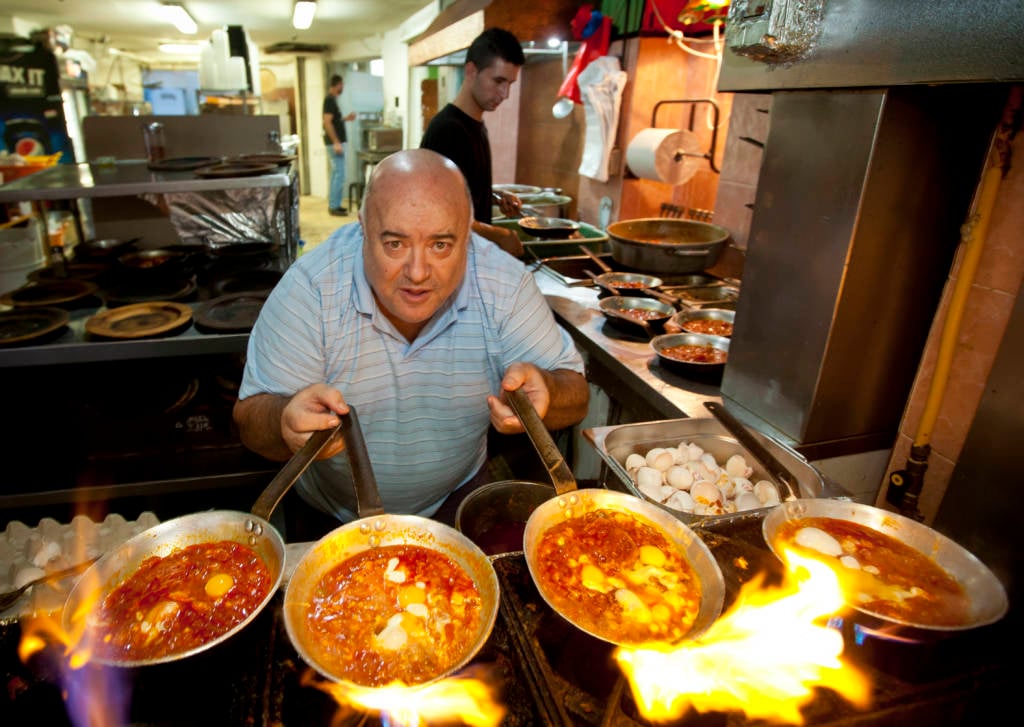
495,43
335,80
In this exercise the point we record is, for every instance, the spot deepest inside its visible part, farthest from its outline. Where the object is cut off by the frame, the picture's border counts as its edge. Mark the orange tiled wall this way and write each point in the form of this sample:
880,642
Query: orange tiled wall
993,294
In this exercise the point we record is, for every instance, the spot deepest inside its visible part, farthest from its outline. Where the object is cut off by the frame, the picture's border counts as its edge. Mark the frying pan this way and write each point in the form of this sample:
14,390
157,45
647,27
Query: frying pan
571,503
614,308
988,597
373,529
626,283
248,528
548,227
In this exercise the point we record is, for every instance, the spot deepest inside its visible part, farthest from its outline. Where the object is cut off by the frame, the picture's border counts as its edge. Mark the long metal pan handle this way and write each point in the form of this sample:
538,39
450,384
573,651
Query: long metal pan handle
688,253
368,500
776,470
550,455
291,471
593,256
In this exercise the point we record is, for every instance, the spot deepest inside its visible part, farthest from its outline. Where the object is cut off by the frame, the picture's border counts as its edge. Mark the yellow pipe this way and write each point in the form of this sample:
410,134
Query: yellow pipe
973,234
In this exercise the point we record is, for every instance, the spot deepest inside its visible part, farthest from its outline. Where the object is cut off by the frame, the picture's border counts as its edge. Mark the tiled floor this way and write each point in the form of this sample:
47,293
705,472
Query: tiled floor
315,223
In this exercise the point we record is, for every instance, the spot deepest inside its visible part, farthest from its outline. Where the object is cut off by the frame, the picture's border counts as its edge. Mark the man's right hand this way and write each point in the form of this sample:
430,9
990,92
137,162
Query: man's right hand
505,238
311,409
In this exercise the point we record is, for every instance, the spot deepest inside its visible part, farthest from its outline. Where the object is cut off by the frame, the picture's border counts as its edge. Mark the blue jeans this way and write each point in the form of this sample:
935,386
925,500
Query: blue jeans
336,189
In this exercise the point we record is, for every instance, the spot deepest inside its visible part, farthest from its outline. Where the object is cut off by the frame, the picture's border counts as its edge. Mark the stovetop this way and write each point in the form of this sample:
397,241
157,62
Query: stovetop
550,673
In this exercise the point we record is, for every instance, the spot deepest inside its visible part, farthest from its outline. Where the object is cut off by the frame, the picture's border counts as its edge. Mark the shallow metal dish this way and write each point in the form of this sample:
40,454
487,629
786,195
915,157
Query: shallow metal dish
552,227
988,596
677,323
691,369
614,308
615,444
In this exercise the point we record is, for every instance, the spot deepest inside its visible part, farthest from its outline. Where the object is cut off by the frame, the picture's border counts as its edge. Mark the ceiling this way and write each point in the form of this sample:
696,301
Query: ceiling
135,26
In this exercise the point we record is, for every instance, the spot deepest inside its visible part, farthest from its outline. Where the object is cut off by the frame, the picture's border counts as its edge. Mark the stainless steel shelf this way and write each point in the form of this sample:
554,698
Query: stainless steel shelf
123,178
76,346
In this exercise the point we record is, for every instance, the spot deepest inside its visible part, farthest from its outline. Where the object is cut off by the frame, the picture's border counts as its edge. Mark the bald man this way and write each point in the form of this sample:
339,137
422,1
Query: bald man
419,324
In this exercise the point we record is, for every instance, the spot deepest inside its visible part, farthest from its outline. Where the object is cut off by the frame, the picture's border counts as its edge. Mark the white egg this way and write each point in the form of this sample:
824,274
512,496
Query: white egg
648,477
710,462
678,457
659,458
694,451
714,508
817,539
705,493
850,562
635,461
742,484
737,466
730,506
679,477
766,492
680,500
747,501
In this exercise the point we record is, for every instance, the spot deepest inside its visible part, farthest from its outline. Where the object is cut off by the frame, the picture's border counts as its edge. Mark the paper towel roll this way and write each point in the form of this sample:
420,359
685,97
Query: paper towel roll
661,154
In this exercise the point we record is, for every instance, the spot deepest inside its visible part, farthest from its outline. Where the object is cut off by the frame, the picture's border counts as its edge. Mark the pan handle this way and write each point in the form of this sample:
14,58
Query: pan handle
291,471
368,500
593,256
558,470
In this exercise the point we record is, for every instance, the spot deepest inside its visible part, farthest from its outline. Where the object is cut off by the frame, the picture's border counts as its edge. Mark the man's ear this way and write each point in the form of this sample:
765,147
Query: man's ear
471,70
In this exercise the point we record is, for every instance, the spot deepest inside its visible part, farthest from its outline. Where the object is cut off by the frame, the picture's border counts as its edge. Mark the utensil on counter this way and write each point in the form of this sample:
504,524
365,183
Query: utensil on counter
776,470
9,598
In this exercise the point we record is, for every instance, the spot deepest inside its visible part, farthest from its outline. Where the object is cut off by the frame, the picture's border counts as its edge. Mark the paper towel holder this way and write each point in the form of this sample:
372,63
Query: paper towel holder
710,154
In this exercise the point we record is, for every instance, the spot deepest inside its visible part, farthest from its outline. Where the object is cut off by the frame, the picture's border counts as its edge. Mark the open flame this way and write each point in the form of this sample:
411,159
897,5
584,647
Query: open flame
764,657
468,698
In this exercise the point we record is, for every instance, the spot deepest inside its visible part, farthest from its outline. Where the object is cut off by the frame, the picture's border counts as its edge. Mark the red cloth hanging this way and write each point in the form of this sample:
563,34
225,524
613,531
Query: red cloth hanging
594,46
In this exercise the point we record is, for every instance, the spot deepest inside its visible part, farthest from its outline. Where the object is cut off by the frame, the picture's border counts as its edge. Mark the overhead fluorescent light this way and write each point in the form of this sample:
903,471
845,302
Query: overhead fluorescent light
302,16
181,49
177,15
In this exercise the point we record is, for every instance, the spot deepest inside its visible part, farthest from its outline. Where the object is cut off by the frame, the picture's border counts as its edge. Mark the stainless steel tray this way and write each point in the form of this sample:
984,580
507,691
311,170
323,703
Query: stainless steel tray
615,443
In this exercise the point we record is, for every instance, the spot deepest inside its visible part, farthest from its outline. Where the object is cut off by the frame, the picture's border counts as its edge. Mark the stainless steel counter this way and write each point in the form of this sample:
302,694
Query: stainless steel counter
632,362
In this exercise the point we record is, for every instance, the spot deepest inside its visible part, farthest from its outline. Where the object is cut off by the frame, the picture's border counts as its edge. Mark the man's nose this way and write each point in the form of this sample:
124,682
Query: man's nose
417,268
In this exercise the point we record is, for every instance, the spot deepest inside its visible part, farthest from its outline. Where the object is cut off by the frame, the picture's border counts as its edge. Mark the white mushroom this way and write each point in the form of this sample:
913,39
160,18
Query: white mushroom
660,459
705,493
678,456
679,477
635,461
766,492
695,451
680,500
658,492
737,466
648,477
747,501
742,484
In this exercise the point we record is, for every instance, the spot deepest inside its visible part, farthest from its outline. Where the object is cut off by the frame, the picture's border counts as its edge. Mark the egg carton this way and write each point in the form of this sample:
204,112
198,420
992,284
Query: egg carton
27,553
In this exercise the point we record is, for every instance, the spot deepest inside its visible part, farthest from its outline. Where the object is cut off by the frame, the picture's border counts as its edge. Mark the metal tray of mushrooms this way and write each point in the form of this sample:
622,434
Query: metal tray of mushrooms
696,469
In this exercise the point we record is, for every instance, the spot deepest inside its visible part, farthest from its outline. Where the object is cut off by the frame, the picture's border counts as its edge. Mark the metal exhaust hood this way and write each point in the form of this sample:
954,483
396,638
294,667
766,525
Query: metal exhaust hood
446,39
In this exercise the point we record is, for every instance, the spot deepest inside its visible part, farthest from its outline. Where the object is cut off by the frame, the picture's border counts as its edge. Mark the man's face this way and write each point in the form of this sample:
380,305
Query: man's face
491,85
416,232
337,89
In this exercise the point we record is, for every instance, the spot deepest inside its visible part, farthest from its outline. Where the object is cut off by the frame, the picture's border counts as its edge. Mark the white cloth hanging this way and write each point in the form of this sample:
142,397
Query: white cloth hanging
601,85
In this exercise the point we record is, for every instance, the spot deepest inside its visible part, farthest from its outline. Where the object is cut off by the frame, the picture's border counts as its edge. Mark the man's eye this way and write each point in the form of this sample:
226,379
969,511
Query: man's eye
392,244
442,245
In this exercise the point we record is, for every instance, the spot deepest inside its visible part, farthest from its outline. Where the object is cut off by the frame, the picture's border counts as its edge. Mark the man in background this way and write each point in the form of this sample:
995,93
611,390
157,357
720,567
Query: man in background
458,132
334,137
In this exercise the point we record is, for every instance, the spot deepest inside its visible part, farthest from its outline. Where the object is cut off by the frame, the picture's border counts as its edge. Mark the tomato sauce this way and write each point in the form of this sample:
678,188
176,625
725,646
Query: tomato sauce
395,613
893,580
175,603
619,578
695,354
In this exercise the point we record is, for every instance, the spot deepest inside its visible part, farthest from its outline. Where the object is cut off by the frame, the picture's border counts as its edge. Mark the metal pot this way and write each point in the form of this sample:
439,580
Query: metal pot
988,597
374,529
248,528
666,245
547,204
